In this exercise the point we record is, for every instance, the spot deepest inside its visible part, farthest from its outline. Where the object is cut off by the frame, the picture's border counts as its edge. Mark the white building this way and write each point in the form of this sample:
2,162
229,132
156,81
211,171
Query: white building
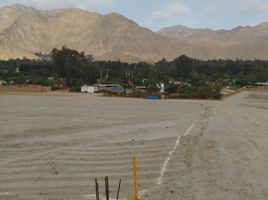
262,83
3,82
89,89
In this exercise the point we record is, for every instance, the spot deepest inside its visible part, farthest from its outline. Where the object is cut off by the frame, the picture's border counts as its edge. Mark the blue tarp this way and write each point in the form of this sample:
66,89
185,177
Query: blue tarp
152,97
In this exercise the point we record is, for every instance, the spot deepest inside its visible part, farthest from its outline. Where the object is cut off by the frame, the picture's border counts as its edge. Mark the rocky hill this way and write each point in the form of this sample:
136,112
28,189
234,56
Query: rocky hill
240,42
24,31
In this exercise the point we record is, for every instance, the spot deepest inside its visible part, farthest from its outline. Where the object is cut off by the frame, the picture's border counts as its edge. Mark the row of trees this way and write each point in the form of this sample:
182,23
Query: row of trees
198,71
77,69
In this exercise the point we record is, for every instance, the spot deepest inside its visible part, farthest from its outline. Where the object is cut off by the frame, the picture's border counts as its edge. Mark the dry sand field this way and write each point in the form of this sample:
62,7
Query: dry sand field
52,147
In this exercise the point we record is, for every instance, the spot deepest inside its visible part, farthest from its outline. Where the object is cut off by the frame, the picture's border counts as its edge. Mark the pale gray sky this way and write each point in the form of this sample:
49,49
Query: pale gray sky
155,14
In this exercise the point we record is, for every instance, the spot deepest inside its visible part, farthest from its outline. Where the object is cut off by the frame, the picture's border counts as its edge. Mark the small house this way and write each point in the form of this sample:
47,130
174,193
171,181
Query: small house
89,89
109,87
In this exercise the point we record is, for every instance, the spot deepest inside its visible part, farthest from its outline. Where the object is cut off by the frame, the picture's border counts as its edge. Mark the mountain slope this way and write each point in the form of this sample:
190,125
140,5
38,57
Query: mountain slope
241,42
25,31
109,36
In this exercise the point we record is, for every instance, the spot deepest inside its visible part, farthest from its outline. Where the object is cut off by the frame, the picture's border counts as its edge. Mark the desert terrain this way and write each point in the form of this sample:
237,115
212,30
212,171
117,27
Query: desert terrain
52,147
29,32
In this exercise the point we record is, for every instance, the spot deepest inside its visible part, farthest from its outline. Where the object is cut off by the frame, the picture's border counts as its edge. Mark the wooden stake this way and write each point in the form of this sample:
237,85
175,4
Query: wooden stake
107,187
97,190
118,191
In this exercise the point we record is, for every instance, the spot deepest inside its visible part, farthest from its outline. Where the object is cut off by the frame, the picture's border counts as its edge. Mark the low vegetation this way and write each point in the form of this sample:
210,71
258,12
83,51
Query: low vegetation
183,77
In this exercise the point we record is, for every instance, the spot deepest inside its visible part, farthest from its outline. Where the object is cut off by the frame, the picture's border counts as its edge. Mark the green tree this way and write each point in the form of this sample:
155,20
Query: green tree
69,64
184,67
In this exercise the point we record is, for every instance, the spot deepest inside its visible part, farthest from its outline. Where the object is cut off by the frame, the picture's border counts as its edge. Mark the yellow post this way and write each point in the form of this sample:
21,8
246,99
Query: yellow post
136,193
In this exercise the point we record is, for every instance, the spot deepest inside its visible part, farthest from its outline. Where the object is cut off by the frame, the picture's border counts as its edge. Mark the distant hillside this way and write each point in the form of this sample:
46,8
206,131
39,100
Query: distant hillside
241,42
25,31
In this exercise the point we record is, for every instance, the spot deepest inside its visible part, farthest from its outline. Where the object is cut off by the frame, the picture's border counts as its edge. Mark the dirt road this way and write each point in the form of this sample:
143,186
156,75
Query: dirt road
52,147
225,156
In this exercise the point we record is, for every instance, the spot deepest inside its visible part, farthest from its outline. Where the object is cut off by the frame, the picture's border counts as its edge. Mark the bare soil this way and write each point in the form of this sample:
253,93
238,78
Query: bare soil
52,147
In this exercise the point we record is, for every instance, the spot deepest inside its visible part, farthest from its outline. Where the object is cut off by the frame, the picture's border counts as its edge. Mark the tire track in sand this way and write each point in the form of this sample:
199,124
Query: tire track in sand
170,153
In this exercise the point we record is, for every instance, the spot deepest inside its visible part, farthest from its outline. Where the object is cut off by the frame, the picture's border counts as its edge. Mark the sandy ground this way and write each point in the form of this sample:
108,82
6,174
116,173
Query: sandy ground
52,147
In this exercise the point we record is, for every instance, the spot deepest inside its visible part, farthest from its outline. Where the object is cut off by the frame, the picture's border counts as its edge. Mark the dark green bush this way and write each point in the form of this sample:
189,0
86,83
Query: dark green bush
201,92
75,89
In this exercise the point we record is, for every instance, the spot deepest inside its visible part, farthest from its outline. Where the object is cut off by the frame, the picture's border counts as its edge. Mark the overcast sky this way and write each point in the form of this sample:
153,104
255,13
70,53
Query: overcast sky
155,14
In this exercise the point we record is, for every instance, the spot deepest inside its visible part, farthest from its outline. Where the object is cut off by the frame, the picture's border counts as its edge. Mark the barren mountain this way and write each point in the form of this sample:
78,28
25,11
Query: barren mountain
240,42
25,31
